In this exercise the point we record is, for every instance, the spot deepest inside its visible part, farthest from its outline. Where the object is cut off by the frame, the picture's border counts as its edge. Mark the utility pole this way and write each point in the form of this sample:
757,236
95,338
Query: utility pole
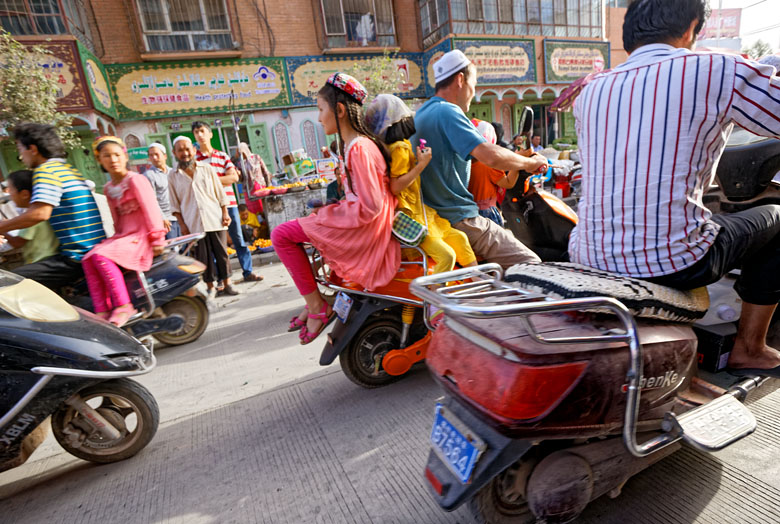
720,14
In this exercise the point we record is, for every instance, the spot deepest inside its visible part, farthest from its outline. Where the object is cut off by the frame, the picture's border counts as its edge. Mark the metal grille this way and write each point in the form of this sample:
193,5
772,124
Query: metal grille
281,139
355,23
185,25
309,132
560,18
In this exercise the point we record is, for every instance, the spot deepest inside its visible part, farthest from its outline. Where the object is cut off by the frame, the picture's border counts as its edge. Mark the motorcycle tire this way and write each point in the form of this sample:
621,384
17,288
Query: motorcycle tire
196,319
127,405
358,360
496,503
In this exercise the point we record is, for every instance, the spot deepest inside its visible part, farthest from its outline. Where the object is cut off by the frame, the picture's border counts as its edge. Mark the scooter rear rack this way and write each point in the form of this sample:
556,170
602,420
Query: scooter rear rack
322,276
486,295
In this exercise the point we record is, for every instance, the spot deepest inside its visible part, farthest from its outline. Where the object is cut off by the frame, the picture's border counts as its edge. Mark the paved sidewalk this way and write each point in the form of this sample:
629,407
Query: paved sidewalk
253,430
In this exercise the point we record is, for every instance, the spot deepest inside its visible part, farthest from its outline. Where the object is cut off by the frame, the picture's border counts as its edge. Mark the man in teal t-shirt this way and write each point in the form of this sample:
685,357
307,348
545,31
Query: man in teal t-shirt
454,140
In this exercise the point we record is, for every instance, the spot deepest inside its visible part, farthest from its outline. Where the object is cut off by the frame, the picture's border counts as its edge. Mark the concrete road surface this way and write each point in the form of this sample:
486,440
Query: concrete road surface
254,430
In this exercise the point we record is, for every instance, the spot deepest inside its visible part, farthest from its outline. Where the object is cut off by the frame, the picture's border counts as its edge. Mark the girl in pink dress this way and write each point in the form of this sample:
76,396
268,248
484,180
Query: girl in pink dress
139,236
354,234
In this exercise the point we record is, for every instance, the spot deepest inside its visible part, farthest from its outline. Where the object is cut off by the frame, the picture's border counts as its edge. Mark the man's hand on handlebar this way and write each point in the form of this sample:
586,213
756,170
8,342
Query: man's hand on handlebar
158,250
538,162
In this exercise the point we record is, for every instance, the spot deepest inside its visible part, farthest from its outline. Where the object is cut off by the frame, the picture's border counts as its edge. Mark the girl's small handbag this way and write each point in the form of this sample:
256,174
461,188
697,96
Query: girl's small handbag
407,230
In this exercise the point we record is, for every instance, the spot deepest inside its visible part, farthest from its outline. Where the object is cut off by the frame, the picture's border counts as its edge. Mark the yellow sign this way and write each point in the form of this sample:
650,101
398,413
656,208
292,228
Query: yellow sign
98,83
309,74
199,87
501,62
434,58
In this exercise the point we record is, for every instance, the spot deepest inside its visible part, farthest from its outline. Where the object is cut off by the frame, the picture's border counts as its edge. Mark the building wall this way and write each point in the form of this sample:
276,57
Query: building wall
614,33
296,27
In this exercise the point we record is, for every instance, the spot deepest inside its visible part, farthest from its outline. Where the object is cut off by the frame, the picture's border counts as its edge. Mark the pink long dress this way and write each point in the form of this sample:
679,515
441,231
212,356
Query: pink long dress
354,235
138,223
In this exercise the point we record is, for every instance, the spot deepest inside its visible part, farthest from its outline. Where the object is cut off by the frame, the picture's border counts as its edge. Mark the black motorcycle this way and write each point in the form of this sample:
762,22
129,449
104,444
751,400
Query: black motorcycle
61,362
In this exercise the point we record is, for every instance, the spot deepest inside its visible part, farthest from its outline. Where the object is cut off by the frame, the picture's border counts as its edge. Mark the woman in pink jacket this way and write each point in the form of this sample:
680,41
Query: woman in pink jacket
354,234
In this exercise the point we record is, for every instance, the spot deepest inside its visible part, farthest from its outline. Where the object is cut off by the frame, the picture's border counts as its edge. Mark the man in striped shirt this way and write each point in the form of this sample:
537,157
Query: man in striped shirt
228,175
60,195
651,132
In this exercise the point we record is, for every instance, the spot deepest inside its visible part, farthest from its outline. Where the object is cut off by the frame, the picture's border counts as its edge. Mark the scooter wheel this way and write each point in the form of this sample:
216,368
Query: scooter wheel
126,404
502,500
196,318
361,361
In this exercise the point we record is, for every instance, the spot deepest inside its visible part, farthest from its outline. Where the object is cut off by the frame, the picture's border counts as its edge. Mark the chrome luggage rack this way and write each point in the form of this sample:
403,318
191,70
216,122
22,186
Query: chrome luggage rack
488,296
322,276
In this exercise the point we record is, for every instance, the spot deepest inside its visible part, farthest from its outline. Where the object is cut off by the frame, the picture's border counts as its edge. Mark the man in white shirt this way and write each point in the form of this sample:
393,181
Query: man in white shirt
650,133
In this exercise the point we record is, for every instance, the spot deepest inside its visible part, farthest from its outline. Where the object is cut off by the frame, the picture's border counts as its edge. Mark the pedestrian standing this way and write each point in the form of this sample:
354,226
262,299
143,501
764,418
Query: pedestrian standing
158,176
199,204
228,175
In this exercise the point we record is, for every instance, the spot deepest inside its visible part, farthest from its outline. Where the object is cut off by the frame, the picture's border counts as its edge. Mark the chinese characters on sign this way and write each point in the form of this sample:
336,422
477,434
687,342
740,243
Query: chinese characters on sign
501,62
145,91
566,61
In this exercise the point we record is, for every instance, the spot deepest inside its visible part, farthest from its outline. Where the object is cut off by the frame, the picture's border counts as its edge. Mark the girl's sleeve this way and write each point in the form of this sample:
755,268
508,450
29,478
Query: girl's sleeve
401,161
150,209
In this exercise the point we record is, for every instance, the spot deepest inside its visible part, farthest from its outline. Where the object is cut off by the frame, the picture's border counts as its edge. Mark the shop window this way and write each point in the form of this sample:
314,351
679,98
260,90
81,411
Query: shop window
281,140
358,23
46,17
549,18
185,25
310,139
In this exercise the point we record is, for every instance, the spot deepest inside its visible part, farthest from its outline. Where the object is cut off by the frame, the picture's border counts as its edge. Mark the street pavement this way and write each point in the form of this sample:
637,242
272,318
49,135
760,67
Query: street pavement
254,430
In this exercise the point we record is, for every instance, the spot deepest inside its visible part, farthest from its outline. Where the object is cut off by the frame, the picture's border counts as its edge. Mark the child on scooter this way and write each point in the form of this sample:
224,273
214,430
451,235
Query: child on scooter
392,120
139,235
38,241
354,234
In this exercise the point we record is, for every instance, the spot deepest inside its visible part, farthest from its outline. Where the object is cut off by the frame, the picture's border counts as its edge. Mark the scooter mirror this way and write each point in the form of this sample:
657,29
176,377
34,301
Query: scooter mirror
526,125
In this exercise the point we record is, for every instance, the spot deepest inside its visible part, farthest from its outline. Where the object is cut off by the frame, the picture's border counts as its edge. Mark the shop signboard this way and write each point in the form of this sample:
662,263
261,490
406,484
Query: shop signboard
138,154
568,60
97,81
155,90
430,57
729,21
62,63
308,74
500,61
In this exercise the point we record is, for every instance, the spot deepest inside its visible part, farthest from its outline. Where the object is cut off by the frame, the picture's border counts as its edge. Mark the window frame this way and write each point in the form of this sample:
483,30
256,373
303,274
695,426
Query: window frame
77,7
345,29
519,22
189,34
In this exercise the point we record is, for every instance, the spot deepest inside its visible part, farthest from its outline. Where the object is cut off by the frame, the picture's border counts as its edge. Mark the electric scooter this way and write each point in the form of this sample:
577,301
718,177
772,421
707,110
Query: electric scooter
561,382
61,362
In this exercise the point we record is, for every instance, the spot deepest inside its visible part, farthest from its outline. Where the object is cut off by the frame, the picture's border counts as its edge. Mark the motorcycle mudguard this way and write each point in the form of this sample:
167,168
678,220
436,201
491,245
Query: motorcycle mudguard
155,325
341,334
500,453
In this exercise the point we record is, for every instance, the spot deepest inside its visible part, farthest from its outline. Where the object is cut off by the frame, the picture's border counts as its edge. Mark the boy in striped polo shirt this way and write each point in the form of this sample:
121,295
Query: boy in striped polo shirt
228,175
60,195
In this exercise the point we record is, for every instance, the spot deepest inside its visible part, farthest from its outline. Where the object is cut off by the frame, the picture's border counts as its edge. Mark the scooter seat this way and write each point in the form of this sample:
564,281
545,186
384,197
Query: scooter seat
644,299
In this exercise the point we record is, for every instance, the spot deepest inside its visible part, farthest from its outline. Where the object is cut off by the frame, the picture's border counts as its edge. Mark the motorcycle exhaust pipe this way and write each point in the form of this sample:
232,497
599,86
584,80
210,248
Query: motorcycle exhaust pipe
95,419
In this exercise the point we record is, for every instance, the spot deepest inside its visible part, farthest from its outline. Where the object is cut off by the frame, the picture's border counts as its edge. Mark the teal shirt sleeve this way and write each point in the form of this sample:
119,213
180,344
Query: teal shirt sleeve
460,131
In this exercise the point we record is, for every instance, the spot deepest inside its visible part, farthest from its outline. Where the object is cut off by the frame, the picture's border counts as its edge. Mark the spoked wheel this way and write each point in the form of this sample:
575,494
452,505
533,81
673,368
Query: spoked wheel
361,361
502,501
196,318
126,404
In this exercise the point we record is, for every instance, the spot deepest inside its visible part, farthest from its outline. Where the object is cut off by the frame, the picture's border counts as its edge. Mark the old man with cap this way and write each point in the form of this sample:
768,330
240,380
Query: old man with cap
454,141
199,204
158,176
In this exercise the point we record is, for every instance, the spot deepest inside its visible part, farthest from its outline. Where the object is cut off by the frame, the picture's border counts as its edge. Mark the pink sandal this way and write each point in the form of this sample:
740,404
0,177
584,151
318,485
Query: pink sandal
122,314
326,316
296,323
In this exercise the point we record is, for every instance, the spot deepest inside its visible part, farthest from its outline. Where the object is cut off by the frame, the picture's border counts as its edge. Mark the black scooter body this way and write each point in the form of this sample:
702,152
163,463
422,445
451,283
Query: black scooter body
84,345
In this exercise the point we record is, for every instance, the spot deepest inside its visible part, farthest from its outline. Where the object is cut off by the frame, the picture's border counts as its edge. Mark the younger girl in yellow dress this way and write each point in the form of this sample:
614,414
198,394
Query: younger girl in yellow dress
392,121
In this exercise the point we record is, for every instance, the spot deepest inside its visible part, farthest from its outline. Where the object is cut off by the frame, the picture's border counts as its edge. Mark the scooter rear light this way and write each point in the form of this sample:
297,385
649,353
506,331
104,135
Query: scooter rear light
434,482
533,391
194,267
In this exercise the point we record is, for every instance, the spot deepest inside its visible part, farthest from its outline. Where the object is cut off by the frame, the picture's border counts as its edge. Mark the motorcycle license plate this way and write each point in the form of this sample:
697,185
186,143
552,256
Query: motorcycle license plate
342,306
455,444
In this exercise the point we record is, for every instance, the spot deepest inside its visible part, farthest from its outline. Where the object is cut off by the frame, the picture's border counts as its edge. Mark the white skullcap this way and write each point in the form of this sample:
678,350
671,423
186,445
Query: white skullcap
180,138
449,64
157,145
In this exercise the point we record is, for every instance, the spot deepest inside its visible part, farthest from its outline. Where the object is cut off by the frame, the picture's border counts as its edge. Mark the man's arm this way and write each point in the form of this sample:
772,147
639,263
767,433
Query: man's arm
230,177
36,213
182,225
498,157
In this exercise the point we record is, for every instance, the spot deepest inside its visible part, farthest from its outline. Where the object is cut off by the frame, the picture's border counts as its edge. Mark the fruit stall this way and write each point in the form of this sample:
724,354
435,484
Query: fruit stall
290,201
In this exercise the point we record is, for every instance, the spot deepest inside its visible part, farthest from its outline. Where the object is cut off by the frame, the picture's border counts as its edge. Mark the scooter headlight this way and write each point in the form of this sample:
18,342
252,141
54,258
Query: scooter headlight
32,301
193,268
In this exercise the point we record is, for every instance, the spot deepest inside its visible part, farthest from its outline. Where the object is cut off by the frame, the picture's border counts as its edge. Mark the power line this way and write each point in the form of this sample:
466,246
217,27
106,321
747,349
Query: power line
761,30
